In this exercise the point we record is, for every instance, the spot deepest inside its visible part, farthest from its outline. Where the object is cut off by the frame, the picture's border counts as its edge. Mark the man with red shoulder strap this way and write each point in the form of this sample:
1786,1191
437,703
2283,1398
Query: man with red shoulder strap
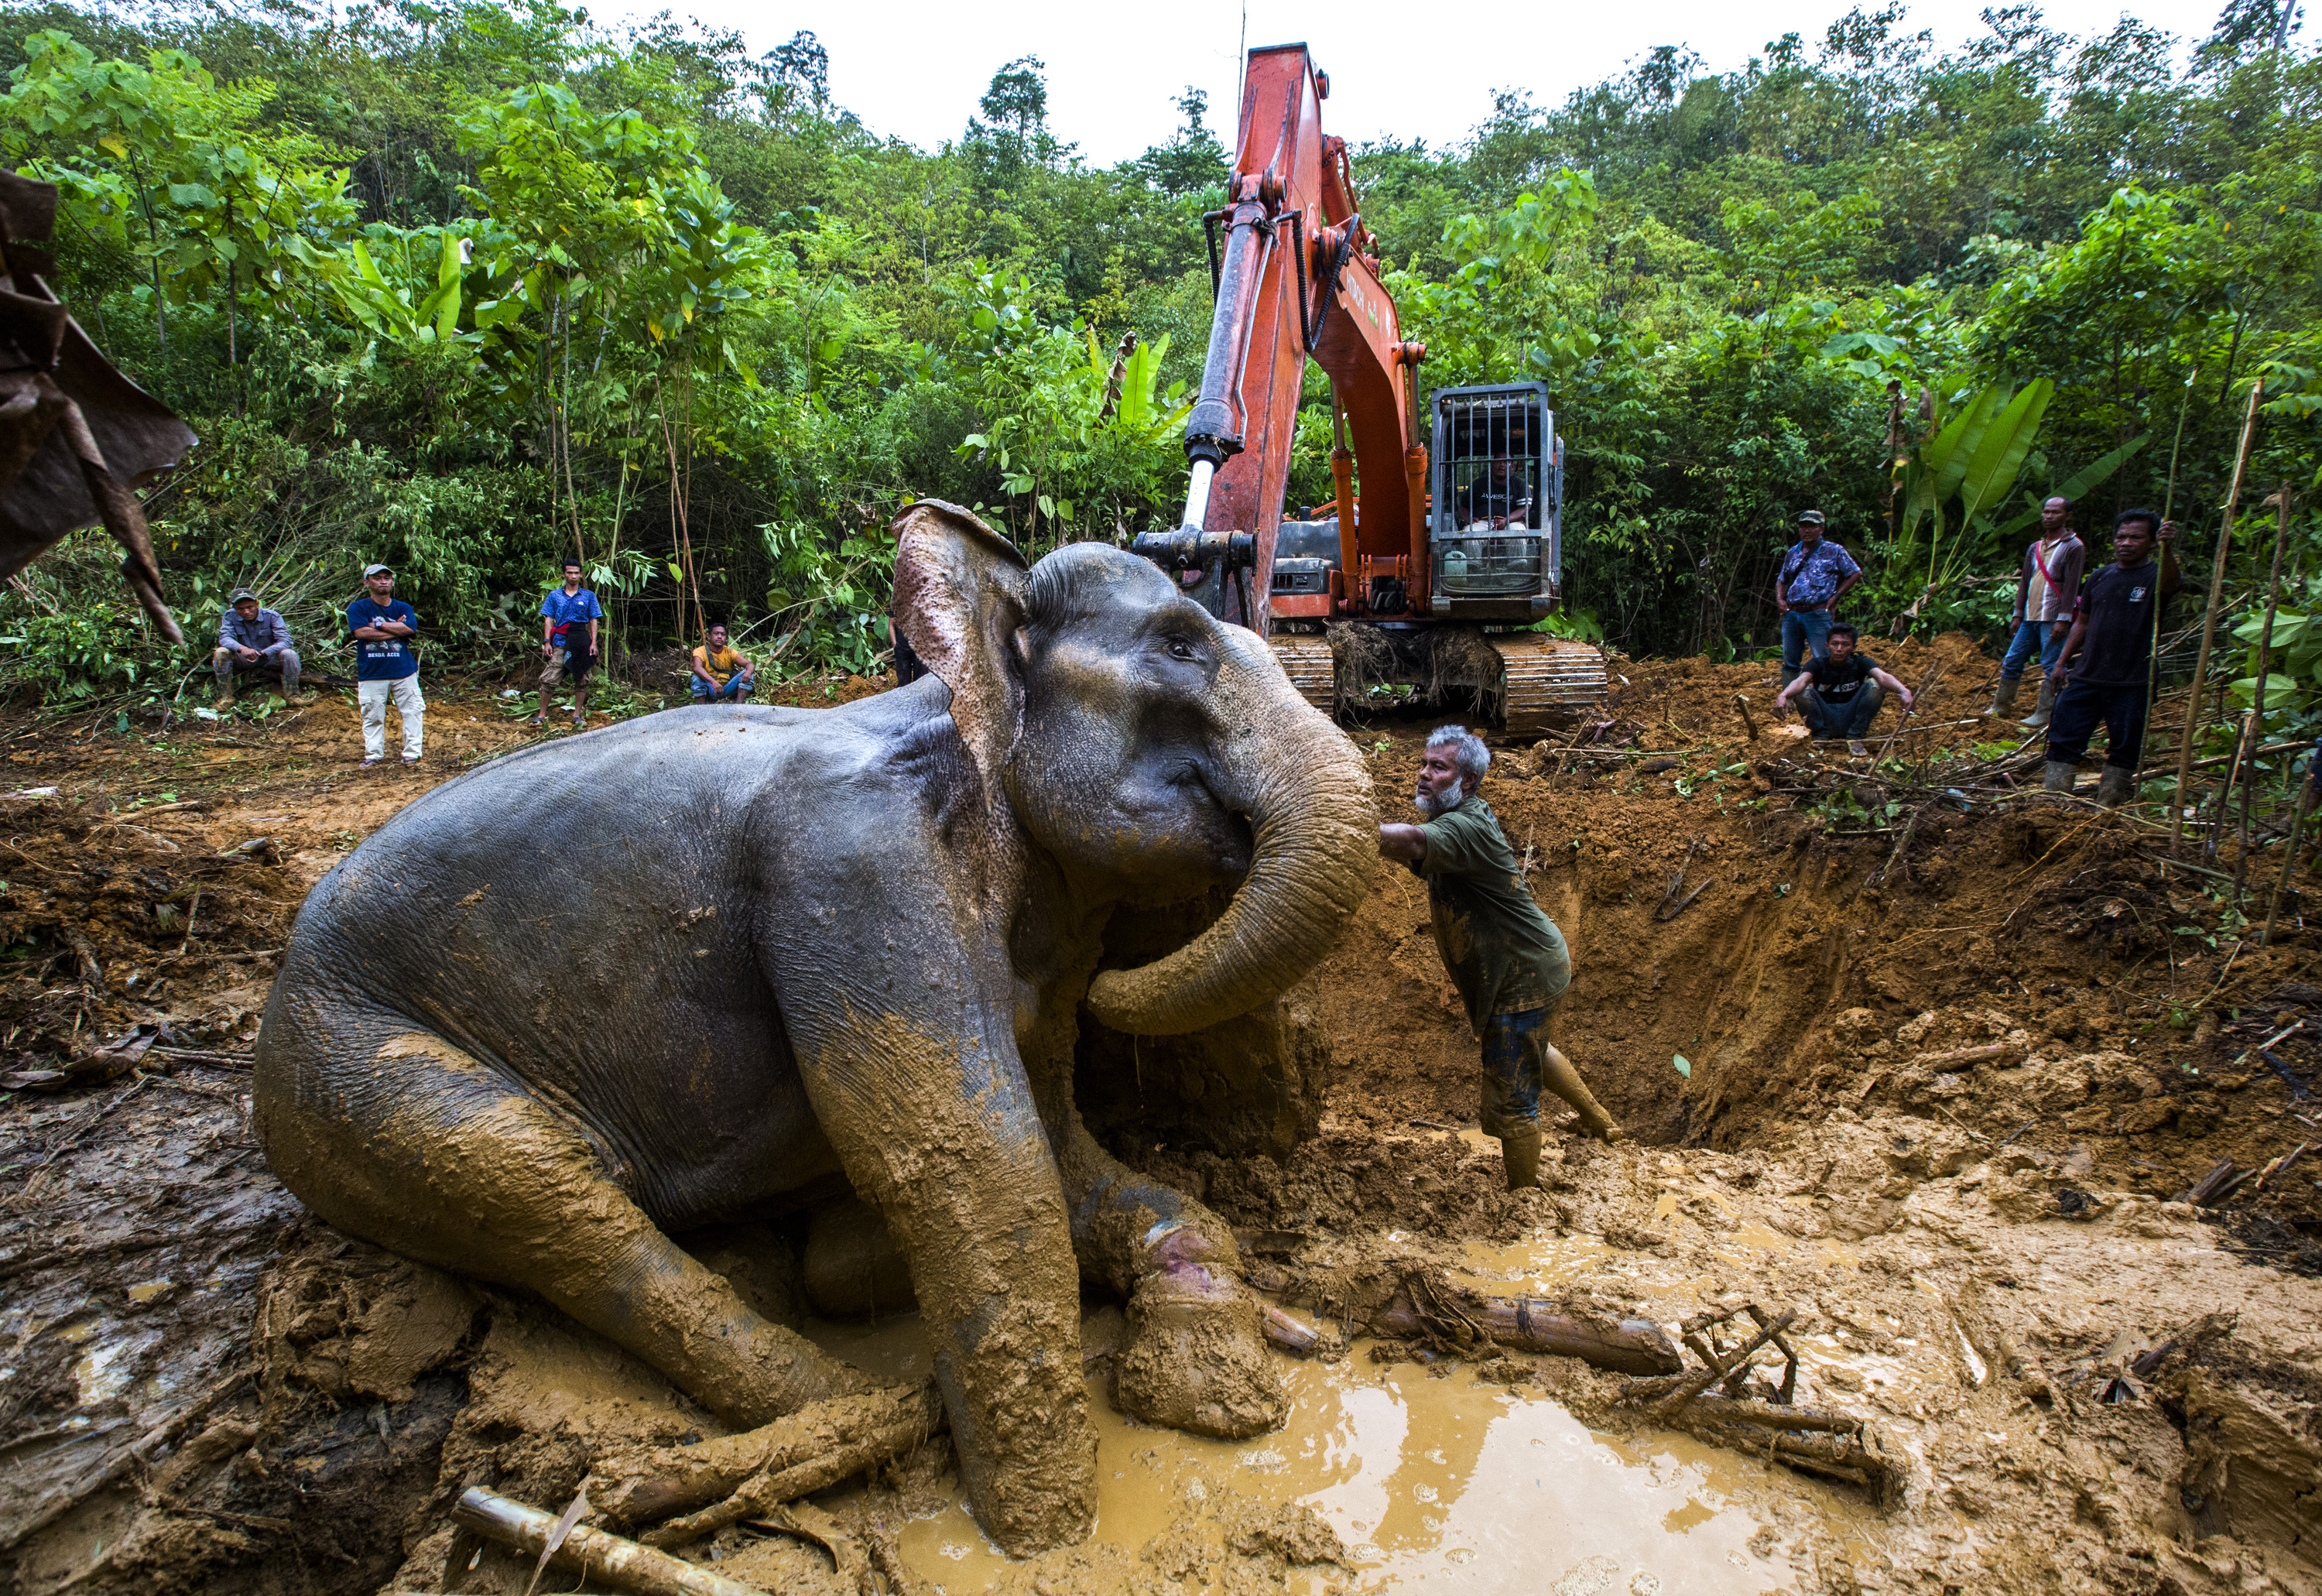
2047,586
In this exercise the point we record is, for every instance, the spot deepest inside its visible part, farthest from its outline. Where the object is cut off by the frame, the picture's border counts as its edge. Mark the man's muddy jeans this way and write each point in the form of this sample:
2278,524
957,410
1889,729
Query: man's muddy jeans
1847,717
2044,638
1511,1073
1803,630
374,696
226,663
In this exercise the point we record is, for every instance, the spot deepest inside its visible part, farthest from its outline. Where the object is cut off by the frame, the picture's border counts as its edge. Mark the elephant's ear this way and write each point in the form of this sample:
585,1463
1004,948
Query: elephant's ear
959,598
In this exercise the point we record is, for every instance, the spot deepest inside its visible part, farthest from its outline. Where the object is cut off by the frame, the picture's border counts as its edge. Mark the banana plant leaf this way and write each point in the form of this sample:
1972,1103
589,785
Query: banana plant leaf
2075,487
1999,452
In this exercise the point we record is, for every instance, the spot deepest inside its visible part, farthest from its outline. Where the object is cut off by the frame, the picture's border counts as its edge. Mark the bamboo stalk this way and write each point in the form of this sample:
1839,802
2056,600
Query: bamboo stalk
2288,862
2226,790
2257,699
2209,622
2168,504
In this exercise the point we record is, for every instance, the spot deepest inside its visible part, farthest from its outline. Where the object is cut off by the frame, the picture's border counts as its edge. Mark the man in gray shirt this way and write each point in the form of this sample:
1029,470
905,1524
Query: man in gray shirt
254,641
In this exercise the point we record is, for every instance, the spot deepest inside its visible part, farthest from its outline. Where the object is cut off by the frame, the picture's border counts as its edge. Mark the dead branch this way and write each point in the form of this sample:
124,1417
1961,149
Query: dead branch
593,1554
748,1474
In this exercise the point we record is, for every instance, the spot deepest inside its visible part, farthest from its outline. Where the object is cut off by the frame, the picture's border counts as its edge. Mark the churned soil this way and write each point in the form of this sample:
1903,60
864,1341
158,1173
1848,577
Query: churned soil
1938,1082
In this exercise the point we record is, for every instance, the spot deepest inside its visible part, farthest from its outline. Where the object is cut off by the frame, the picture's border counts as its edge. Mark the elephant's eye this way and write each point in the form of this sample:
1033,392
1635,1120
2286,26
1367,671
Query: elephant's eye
1179,649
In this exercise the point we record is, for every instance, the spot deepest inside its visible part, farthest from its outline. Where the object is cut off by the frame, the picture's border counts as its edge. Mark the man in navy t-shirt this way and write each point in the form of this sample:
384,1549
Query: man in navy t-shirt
385,667
2106,664
568,641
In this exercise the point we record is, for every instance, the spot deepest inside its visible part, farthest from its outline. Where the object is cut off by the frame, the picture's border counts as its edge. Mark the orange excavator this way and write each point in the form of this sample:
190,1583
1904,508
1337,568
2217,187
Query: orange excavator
1444,545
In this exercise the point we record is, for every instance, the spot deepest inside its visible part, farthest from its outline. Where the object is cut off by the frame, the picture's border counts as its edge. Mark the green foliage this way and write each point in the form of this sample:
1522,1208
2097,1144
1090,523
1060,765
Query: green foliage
470,287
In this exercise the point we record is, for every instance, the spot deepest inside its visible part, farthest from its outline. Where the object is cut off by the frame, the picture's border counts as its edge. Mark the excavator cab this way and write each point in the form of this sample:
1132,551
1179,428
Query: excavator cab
1496,524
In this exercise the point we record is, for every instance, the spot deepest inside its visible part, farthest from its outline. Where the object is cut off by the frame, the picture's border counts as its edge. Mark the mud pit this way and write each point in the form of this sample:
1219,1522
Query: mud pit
1944,1119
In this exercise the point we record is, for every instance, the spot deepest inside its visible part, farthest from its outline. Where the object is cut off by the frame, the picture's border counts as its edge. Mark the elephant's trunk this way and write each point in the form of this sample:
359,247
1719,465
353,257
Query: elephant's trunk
1308,797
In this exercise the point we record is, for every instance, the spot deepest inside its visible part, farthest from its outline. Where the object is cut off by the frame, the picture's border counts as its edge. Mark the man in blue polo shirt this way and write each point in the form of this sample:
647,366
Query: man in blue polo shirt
568,641
1816,575
385,667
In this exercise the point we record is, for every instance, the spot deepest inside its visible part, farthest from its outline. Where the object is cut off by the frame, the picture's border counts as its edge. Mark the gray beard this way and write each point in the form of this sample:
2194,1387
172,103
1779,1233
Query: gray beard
1453,797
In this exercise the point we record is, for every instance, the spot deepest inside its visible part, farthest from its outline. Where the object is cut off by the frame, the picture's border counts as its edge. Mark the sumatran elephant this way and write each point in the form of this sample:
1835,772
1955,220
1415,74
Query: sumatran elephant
685,968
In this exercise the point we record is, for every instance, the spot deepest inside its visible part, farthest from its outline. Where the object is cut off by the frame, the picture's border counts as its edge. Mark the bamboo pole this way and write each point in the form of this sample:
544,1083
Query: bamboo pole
2257,698
2209,623
2168,507
2226,790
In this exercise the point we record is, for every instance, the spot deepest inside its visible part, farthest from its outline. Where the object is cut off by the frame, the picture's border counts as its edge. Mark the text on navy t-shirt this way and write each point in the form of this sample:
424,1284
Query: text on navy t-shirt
390,660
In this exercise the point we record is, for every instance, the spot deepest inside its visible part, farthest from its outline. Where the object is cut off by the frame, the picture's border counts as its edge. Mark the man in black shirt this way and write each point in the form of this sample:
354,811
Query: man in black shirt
2108,660
1500,493
1839,693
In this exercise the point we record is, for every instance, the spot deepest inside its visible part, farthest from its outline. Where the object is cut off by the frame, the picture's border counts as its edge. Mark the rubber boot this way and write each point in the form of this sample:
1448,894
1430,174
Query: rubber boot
1520,1149
2115,787
2038,717
2003,698
2060,776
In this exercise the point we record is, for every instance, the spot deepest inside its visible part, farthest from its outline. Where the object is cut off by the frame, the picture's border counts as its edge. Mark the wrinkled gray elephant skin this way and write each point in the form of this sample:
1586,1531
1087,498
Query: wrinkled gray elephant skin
619,985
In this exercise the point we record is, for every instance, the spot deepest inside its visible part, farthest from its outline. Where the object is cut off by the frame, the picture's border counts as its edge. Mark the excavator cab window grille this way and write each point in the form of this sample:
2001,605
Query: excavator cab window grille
1496,493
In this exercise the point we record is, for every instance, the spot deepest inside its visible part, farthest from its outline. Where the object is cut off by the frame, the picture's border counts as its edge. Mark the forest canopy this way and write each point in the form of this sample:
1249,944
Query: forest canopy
472,288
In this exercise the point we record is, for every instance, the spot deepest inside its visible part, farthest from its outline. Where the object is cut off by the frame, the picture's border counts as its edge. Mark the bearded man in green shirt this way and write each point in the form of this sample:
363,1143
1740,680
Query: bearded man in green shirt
1505,956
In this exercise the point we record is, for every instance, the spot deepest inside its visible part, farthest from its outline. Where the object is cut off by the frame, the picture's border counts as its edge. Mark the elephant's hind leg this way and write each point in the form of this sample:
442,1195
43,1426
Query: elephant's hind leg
449,1162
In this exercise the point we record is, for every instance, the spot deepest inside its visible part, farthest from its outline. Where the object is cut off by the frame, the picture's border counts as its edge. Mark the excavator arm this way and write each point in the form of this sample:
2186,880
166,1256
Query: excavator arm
1446,582
1296,278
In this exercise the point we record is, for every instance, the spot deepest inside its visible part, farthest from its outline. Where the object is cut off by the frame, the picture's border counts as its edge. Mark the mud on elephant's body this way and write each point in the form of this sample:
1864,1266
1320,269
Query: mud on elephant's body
709,960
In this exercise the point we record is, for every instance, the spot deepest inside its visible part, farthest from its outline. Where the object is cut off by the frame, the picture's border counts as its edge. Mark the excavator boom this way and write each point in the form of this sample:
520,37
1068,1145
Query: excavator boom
1296,275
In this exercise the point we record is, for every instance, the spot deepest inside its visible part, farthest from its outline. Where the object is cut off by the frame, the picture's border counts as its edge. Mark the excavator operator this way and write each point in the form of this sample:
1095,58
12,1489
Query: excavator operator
1505,956
1500,498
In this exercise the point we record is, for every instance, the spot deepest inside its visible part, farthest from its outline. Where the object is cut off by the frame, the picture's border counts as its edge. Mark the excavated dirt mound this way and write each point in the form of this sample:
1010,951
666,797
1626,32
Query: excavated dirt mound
1936,1081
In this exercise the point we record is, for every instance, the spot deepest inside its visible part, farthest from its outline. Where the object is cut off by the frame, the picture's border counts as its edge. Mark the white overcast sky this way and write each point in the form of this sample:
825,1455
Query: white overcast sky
914,68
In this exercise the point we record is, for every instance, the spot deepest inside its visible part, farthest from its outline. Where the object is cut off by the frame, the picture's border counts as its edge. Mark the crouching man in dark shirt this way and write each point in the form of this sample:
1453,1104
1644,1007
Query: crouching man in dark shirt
1838,694
2108,660
1505,956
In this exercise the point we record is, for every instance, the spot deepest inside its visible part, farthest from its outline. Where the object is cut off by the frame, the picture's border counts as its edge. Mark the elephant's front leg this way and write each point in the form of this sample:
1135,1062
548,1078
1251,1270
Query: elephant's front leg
939,1130
1197,1357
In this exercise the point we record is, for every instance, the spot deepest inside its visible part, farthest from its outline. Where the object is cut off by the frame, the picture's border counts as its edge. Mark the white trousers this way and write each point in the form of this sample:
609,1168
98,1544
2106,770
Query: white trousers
374,696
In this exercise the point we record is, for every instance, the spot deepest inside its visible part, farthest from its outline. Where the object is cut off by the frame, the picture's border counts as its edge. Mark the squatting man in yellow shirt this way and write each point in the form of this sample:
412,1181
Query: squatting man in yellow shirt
1505,956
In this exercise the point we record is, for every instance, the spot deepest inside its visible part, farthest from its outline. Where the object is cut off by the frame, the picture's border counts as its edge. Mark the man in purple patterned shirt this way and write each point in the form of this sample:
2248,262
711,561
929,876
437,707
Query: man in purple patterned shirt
1816,575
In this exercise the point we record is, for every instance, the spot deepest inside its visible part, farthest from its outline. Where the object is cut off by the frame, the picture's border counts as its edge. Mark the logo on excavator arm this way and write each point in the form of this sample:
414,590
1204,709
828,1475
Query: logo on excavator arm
1355,293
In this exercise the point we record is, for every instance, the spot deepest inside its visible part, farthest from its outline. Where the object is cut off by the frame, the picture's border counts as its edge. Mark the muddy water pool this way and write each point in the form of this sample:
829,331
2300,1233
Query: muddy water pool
1433,1479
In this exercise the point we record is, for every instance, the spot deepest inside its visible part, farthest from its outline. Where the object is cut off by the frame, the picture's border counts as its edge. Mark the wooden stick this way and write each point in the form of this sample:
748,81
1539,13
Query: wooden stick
2288,862
2264,664
2168,503
594,1554
2209,622
1701,1380
2225,793
1741,702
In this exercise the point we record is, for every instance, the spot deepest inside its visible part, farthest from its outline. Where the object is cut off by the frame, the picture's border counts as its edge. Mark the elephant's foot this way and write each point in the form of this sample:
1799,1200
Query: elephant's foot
1197,1358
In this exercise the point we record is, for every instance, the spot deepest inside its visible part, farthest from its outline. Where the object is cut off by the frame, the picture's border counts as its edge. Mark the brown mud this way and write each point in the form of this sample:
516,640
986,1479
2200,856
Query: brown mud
1943,1102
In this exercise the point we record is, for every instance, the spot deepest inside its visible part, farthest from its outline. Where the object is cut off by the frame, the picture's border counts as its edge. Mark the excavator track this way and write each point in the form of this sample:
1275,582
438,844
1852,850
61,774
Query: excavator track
1547,678
1308,662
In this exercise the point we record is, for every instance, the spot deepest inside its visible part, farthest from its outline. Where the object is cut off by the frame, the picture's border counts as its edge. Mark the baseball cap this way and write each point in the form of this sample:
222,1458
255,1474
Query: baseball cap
239,595
372,570
1810,518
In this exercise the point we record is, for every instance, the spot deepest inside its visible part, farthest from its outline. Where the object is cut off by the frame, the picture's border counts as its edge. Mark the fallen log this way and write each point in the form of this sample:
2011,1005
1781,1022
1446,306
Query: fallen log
1533,1323
593,1554
818,1445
